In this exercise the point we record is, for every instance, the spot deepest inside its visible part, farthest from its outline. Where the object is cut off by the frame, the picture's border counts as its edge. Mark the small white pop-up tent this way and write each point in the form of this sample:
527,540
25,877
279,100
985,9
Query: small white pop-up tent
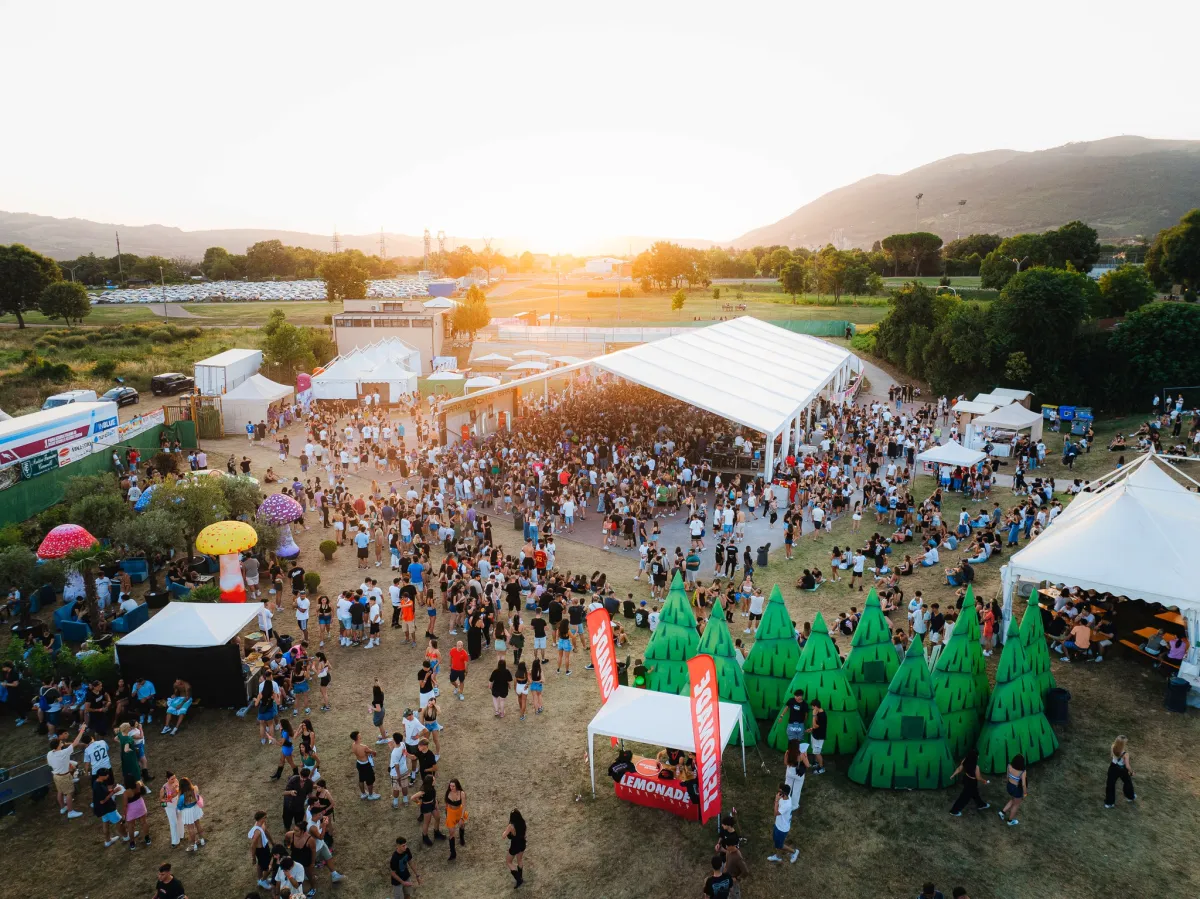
656,719
993,399
381,367
195,642
1013,417
1017,396
950,454
250,400
1135,535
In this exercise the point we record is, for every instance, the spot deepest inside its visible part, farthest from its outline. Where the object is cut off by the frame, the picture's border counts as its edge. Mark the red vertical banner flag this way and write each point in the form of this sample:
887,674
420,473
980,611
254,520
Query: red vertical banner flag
604,652
706,731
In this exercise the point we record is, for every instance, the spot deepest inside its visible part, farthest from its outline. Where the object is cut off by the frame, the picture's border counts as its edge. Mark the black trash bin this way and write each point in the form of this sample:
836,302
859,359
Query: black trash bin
284,642
1057,703
1177,693
762,555
518,522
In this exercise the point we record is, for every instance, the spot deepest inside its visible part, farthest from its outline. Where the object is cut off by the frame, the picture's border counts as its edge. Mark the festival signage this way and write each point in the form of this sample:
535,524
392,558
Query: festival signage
80,449
604,658
706,732
644,786
39,464
44,444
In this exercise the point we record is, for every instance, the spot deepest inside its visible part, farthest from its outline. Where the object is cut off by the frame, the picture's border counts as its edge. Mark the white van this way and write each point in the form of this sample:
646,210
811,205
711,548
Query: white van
71,396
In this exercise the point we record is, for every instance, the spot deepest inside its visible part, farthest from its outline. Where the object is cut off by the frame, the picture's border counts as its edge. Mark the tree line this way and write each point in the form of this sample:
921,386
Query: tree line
1050,330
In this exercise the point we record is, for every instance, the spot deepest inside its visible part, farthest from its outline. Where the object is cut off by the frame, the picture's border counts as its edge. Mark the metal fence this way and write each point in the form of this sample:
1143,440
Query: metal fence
653,331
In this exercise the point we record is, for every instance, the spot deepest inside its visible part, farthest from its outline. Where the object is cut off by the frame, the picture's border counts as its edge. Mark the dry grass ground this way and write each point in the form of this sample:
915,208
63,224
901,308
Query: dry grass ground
854,842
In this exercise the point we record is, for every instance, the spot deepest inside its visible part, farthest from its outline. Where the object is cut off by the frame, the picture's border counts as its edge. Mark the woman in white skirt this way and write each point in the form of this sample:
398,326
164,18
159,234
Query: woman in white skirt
168,795
191,810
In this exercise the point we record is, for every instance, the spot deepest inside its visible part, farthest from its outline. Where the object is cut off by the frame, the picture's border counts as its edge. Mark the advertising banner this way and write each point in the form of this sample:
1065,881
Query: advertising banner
39,464
42,444
643,786
706,731
604,653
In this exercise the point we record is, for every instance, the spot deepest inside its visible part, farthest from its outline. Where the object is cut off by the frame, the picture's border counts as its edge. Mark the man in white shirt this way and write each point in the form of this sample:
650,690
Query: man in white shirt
653,620
756,612
302,606
266,615
95,754
931,557
399,770
59,760
858,565
128,604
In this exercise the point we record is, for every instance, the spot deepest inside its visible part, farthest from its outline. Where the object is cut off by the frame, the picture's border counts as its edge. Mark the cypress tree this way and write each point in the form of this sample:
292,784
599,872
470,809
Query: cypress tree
1015,721
960,682
819,675
906,746
674,642
871,663
772,660
731,684
1037,653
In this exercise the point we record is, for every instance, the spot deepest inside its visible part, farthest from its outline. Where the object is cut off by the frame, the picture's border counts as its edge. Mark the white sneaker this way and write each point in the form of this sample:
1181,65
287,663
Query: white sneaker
774,858
795,855
74,814
373,796
63,810
335,876
395,803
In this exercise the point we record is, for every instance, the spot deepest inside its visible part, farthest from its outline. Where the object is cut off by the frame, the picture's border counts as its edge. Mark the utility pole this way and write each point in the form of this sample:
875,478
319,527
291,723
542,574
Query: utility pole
917,217
428,247
163,280
961,204
120,271
337,240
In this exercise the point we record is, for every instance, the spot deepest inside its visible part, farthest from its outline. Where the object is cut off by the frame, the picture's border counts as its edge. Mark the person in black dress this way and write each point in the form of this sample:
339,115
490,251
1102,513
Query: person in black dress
515,834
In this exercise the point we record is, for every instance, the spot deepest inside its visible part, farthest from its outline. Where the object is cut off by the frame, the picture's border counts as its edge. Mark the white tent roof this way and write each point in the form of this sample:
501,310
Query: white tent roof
1135,538
481,381
972,408
257,387
439,303
744,370
445,376
193,624
492,357
658,719
565,360
1012,416
1012,393
528,366
230,357
531,354
993,399
951,453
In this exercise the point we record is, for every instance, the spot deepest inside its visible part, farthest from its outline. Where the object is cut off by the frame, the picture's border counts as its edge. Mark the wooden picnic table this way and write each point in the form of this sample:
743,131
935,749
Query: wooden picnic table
1148,632
1172,617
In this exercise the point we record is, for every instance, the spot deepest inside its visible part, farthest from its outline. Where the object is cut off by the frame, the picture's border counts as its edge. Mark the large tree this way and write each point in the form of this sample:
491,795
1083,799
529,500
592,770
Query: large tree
1124,289
269,259
772,659
67,300
194,504
905,747
793,278
1074,245
1156,345
964,247
149,534
472,315
345,276
24,276
1175,253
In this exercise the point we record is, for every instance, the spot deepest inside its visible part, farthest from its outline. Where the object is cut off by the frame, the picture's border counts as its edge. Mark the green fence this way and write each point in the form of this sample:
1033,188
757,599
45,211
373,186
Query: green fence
26,499
817,327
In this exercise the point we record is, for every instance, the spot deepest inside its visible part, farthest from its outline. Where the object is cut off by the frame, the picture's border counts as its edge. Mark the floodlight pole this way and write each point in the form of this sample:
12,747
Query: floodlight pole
163,280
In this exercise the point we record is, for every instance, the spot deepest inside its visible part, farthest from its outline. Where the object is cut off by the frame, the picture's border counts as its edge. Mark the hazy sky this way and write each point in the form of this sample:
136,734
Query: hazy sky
556,122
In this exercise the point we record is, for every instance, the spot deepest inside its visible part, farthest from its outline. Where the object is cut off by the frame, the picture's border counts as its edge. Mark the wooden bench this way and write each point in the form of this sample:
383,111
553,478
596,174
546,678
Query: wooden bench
1149,632
1160,659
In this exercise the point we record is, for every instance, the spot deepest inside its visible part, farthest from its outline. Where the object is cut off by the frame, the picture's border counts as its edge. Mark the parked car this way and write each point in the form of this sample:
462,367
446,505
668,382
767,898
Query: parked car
70,396
171,383
122,396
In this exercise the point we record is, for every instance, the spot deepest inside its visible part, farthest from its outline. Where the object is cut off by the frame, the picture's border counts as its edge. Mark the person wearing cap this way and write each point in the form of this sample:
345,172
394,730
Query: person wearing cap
413,731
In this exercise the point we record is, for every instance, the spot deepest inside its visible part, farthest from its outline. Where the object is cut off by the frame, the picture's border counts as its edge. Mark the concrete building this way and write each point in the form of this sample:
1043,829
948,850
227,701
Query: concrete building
366,322
605,265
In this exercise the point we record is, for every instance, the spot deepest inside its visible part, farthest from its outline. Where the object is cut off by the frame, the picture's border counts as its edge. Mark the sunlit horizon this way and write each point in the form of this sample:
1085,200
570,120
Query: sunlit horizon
546,127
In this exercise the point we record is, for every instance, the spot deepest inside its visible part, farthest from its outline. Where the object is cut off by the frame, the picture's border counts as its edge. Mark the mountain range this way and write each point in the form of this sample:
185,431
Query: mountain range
1121,186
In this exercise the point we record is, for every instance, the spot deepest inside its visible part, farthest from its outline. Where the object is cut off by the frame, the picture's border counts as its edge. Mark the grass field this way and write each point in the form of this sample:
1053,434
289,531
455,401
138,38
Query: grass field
231,315
854,842
932,280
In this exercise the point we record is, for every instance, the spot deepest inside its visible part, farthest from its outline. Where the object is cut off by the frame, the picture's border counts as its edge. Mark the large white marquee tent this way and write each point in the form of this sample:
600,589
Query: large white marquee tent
1135,536
390,362
744,370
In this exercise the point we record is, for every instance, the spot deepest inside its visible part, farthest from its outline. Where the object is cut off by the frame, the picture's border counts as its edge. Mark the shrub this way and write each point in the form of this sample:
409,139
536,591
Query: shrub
209,592
54,372
162,336
165,463
327,548
101,666
105,368
328,319
312,580
11,536
39,663
76,342
944,281
864,343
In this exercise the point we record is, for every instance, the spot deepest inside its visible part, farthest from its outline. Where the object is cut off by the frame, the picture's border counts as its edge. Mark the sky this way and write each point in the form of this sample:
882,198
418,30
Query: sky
551,126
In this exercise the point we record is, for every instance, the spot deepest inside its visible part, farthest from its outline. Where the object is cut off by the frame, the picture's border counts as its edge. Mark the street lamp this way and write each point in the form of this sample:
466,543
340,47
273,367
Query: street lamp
71,269
1019,262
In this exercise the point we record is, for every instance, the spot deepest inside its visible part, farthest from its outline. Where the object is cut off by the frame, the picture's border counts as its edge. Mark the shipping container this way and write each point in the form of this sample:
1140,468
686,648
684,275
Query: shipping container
221,373
40,432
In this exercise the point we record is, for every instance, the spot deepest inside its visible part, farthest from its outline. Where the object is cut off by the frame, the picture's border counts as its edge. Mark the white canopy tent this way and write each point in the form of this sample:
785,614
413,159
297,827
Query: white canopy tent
1013,417
657,719
1135,535
479,382
250,400
193,624
445,376
951,453
969,407
993,399
1017,396
531,354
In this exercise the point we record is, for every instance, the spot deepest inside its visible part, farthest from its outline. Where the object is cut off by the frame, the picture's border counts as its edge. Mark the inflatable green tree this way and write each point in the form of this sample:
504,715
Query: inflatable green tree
1015,721
960,683
731,684
906,747
674,642
772,660
1037,654
819,675
871,663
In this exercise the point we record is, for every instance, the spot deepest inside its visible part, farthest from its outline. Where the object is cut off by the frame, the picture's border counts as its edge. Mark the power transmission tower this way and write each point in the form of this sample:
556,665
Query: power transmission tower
441,241
337,240
382,244
120,270
428,247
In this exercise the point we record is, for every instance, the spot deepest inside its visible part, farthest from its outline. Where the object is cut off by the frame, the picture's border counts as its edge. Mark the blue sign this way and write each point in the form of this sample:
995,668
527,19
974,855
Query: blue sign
104,425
